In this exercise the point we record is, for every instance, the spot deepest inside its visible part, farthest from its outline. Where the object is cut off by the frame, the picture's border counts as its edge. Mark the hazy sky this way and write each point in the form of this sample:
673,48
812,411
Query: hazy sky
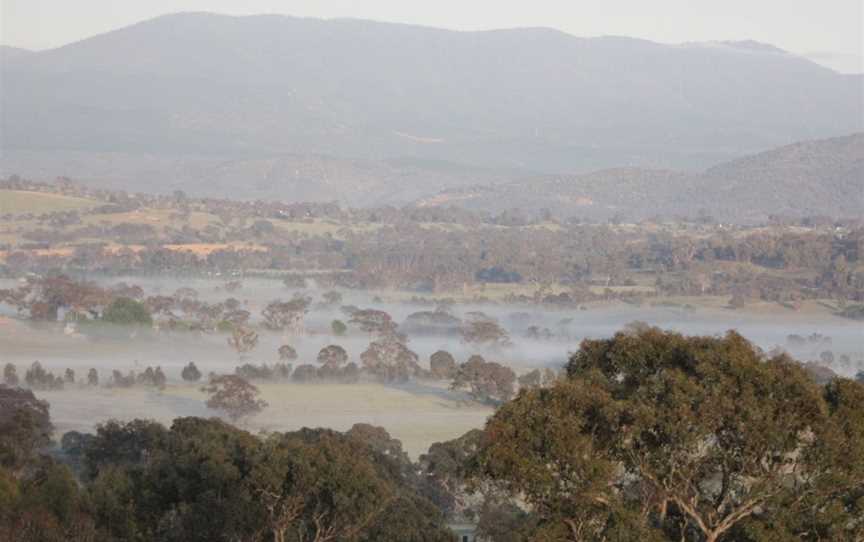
802,26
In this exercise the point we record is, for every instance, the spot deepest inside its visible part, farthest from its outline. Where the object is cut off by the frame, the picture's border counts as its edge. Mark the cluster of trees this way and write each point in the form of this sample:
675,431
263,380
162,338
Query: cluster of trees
36,377
277,371
778,263
40,379
657,436
486,380
149,377
203,480
44,298
649,435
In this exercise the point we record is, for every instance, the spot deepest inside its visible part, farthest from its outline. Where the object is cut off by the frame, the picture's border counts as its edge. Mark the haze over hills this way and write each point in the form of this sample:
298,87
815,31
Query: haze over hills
285,177
230,104
839,62
824,177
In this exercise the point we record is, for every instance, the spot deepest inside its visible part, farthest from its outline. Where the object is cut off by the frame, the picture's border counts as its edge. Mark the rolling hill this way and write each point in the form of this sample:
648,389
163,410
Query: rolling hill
240,94
822,177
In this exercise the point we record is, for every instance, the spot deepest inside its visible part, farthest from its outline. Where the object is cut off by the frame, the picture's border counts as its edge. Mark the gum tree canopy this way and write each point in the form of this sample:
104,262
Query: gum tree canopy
25,427
658,436
233,395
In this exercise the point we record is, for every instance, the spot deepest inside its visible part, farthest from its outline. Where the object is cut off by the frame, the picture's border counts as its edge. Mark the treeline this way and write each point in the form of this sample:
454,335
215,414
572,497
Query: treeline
441,250
36,377
424,259
205,480
650,435
387,358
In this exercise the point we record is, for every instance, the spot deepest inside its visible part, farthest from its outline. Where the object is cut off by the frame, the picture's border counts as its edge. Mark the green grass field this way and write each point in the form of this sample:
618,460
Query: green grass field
21,202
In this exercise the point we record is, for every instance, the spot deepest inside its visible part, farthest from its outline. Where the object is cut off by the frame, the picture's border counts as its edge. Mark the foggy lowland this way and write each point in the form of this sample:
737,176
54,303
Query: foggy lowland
396,272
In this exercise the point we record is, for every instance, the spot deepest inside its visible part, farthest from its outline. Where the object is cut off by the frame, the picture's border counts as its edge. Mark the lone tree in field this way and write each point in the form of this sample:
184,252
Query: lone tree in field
484,331
191,373
332,358
442,365
374,322
243,340
233,395
655,436
390,360
92,377
286,316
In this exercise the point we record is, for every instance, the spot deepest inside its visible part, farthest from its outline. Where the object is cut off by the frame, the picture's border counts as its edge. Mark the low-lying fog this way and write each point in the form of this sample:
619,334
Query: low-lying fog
419,414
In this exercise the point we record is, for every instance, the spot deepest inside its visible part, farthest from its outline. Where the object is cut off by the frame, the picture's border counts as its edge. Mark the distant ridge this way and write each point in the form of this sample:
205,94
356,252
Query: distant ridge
8,53
530,99
811,178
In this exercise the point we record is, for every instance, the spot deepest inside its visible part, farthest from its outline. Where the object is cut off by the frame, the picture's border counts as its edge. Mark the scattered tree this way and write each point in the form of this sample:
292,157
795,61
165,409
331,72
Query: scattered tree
390,360
481,330
332,357
486,380
286,316
233,395
442,365
92,377
373,322
243,340
190,373
151,377
38,378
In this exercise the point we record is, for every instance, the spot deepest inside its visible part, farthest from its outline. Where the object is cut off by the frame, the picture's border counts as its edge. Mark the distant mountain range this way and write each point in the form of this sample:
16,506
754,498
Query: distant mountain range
531,98
368,113
824,177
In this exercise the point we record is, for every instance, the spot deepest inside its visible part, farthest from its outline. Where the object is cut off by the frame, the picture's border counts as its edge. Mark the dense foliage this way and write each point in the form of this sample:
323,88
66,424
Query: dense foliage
647,436
128,312
655,436
203,480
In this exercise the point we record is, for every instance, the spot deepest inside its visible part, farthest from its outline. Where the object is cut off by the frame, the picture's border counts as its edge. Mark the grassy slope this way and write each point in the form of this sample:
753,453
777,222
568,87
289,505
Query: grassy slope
417,418
20,202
